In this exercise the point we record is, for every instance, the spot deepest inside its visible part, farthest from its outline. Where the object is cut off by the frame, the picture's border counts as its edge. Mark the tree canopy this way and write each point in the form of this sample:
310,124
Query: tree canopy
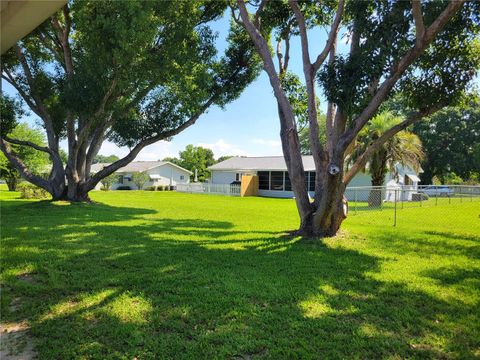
131,72
195,158
451,141
105,159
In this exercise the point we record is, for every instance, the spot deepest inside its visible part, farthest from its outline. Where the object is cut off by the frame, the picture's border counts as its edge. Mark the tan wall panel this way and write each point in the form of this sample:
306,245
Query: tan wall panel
249,185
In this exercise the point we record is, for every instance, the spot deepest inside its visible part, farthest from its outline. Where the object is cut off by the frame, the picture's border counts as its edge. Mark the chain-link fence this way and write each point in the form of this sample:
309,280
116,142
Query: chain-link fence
393,205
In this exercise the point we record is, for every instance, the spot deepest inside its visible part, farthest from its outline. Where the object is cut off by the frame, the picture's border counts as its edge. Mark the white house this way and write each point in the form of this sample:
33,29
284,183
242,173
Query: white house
160,173
273,180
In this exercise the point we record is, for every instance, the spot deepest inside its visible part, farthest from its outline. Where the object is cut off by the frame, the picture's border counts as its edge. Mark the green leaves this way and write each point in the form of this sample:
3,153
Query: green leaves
35,160
404,147
450,138
384,34
10,110
195,158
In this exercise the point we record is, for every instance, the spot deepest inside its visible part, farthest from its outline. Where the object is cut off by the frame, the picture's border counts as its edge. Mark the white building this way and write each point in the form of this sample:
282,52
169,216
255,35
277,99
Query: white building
273,176
160,173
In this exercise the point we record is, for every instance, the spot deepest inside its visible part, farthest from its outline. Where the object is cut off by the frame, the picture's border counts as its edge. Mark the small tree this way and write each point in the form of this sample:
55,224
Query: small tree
108,181
195,158
140,179
404,147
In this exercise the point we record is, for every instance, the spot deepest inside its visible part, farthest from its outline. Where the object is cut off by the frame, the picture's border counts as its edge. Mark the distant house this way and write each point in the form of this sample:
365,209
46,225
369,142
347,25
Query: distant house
160,173
273,180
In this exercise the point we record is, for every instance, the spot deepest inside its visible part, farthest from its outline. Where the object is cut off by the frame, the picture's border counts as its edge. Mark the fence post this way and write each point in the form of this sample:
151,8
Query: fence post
402,195
471,194
355,191
395,209
461,197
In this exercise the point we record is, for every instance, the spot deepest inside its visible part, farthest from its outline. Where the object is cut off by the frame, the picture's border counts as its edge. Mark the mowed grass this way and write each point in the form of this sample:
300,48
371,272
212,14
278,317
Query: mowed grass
166,275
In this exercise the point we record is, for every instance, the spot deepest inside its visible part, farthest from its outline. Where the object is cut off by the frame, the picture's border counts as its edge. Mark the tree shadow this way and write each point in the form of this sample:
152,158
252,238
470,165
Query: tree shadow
113,282
455,276
455,236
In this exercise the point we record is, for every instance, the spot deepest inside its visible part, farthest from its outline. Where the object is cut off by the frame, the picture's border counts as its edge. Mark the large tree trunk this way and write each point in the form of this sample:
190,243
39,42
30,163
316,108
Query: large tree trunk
296,173
328,217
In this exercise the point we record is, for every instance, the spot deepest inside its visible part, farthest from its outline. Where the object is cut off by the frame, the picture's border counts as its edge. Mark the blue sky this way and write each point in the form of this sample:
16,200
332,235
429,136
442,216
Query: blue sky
248,126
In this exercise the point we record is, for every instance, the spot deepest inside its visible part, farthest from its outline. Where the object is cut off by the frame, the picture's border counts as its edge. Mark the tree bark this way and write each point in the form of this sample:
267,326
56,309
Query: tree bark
12,182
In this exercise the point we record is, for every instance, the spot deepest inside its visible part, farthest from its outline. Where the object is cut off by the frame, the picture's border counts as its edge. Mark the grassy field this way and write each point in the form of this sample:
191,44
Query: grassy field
166,275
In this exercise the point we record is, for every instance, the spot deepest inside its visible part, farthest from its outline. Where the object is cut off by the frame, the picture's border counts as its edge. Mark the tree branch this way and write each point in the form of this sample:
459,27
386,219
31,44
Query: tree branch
332,36
256,19
22,168
281,64
418,19
375,145
39,107
27,143
303,33
9,78
110,169
397,71
53,50
287,52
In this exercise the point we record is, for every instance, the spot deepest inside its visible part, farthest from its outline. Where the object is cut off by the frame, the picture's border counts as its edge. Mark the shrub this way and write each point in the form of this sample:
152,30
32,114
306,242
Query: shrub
30,191
160,188
150,188
124,187
140,179
108,181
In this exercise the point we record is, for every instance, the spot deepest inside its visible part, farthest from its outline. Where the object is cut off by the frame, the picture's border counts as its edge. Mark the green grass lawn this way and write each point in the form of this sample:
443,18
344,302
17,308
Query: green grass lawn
166,275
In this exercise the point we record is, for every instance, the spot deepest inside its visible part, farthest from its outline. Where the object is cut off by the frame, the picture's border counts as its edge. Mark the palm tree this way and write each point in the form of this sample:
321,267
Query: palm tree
404,148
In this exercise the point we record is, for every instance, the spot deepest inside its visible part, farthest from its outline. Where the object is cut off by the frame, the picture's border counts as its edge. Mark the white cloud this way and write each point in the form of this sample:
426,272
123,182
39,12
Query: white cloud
221,147
271,143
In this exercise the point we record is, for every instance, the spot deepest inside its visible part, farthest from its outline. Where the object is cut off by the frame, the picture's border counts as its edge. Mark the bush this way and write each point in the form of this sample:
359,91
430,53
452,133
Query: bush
150,188
30,191
160,188
124,187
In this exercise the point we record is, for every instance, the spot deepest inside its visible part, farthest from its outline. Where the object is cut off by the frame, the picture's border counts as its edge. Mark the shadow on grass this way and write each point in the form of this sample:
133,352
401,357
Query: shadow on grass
112,282
455,276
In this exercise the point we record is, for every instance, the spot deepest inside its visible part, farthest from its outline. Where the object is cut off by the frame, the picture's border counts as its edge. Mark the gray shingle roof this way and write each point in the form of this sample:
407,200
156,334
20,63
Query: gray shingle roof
260,163
136,166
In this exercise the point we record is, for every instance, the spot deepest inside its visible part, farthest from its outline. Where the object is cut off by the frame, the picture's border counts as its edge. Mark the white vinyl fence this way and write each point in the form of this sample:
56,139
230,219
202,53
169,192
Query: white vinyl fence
207,188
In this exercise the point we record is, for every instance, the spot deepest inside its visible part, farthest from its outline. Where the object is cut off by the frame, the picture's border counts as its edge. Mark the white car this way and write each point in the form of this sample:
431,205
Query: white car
437,190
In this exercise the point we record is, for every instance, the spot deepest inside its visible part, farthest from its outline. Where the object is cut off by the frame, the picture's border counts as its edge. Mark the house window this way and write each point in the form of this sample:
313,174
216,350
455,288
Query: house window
276,180
288,185
120,179
311,176
263,180
182,177
238,177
